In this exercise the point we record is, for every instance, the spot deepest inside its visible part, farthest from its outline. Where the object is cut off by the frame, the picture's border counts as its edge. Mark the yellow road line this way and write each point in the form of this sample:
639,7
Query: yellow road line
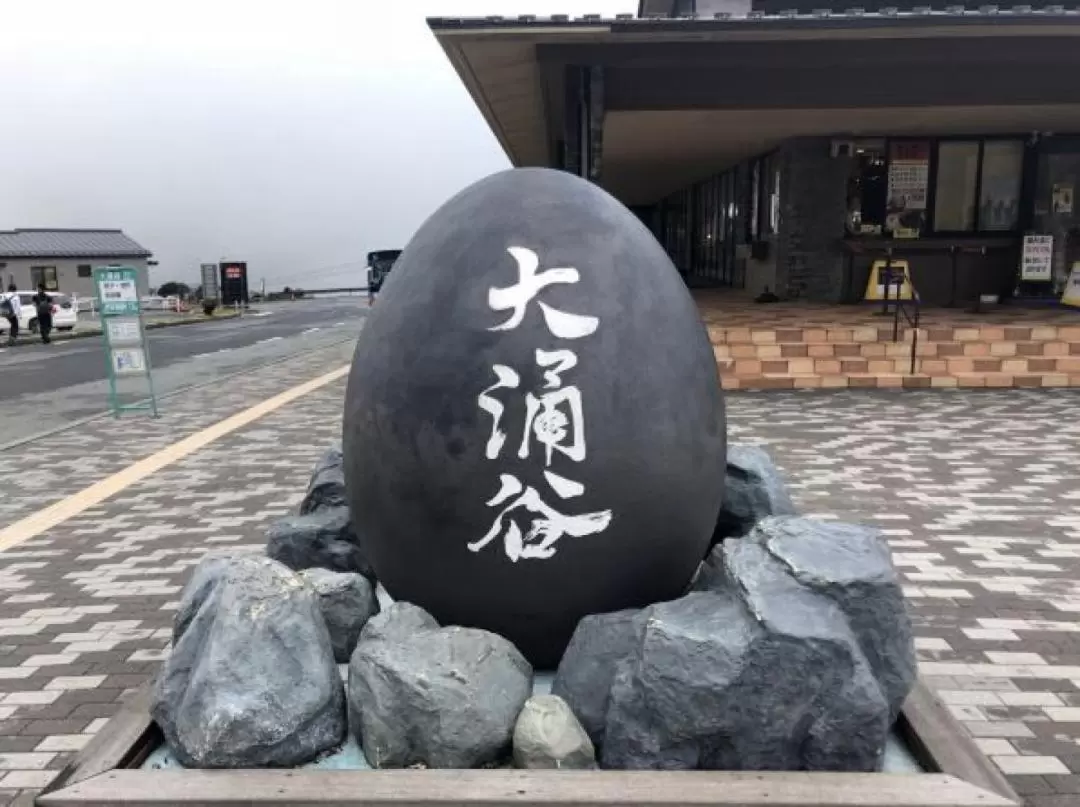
61,511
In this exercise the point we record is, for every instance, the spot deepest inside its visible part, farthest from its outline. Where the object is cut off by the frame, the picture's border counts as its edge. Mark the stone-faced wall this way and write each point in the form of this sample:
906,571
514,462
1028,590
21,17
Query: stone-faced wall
813,209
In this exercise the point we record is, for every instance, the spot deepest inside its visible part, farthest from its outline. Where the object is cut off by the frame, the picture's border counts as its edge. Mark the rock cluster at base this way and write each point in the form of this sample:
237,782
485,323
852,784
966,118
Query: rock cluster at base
321,540
794,653
347,602
436,697
548,736
754,489
251,681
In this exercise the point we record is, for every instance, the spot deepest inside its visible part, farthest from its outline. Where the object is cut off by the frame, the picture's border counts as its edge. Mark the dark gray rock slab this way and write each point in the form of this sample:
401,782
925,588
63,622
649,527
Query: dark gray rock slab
251,681
587,669
323,539
347,601
326,488
851,565
753,489
548,736
445,698
546,455
400,620
764,674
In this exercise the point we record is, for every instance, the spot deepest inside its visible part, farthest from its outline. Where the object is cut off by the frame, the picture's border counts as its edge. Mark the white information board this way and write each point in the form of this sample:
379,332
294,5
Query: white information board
1037,258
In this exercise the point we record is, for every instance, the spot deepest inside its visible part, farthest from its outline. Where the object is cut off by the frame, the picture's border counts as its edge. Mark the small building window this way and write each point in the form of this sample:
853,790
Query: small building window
999,185
85,270
44,275
955,189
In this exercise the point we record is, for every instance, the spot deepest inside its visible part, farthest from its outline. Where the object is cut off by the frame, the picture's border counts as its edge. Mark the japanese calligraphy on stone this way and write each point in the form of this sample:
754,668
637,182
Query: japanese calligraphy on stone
554,431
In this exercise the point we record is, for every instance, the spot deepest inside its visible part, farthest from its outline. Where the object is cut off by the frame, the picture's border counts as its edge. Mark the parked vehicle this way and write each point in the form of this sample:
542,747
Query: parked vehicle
64,311
379,265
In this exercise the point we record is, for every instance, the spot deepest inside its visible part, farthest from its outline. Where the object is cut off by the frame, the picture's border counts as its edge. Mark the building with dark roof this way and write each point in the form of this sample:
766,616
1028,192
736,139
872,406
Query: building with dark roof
789,144
64,260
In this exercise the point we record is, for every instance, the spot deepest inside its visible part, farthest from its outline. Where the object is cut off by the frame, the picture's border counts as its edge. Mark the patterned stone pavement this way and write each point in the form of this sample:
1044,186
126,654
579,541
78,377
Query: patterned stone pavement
977,491
54,467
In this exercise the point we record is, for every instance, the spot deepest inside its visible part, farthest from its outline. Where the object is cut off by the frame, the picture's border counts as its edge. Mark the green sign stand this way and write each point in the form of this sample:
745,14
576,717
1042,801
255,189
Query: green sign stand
126,352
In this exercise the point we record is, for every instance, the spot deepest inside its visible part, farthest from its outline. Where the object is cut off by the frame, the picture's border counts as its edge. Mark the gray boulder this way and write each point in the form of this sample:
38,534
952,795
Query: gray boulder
763,675
326,488
323,539
347,602
852,566
547,735
587,669
203,578
399,620
753,489
445,698
251,681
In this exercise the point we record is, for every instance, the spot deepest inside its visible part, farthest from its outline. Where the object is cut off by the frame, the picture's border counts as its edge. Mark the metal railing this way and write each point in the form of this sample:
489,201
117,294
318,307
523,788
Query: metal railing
901,308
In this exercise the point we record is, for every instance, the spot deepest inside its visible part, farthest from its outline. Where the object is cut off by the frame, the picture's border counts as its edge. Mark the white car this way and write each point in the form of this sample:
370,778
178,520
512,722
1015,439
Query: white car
64,314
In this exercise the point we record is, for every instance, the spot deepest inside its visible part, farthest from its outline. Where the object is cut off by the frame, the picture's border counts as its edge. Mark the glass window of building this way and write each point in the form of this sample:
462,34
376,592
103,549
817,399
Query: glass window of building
867,188
999,185
954,192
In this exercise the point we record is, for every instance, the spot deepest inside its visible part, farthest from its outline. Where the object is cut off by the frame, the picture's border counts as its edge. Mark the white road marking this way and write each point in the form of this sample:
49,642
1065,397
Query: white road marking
271,339
263,314
339,324
309,330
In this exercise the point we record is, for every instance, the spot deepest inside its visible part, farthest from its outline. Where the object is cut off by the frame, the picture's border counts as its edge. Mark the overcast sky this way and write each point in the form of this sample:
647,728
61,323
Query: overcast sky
295,135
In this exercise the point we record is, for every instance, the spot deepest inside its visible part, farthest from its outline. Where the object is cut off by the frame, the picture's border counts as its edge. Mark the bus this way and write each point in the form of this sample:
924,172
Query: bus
379,265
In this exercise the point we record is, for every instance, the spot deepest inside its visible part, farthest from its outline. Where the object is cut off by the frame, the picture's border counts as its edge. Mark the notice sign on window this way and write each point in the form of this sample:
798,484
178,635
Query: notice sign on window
1037,258
909,178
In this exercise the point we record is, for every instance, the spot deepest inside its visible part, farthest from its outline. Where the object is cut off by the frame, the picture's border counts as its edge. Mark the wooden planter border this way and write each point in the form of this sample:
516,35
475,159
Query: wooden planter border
106,774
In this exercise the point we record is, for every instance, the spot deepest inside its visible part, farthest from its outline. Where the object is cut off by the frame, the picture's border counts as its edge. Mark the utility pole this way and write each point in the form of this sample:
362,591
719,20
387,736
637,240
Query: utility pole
263,295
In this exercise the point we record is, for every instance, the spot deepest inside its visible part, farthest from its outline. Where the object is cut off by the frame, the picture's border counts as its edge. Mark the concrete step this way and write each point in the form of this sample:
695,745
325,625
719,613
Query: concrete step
967,380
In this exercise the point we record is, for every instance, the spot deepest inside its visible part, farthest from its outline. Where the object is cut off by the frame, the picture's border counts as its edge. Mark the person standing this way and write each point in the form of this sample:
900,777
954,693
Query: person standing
43,305
10,308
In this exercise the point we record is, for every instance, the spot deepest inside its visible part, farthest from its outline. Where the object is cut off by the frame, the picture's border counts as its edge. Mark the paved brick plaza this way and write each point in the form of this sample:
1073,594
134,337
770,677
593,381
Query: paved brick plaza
979,493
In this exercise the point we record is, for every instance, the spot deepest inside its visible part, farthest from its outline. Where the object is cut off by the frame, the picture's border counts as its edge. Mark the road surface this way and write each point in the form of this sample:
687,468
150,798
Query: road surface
44,386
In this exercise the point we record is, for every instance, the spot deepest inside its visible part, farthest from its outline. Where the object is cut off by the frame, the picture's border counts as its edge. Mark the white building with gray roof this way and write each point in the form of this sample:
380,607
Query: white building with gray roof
64,260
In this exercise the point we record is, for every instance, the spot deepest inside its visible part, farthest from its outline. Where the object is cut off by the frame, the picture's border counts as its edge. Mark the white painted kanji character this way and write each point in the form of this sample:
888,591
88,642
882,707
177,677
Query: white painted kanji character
546,420
530,282
506,378
546,529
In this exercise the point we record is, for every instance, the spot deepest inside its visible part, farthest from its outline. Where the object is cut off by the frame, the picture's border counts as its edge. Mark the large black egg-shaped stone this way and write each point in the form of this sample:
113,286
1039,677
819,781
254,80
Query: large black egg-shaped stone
534,427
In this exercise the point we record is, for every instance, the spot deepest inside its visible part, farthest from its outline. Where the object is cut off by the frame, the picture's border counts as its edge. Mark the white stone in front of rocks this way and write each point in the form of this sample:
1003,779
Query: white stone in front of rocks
548,736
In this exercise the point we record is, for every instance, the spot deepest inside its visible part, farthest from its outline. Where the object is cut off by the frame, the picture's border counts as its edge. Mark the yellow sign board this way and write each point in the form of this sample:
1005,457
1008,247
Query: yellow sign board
1072,287
875,285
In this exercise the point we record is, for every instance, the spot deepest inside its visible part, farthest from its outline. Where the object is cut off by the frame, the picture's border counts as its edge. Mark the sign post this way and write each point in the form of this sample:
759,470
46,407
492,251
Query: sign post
210,289
126,353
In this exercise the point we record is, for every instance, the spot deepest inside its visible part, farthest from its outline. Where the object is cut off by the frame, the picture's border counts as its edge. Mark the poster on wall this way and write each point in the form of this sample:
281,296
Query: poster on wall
1037,258
909,178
